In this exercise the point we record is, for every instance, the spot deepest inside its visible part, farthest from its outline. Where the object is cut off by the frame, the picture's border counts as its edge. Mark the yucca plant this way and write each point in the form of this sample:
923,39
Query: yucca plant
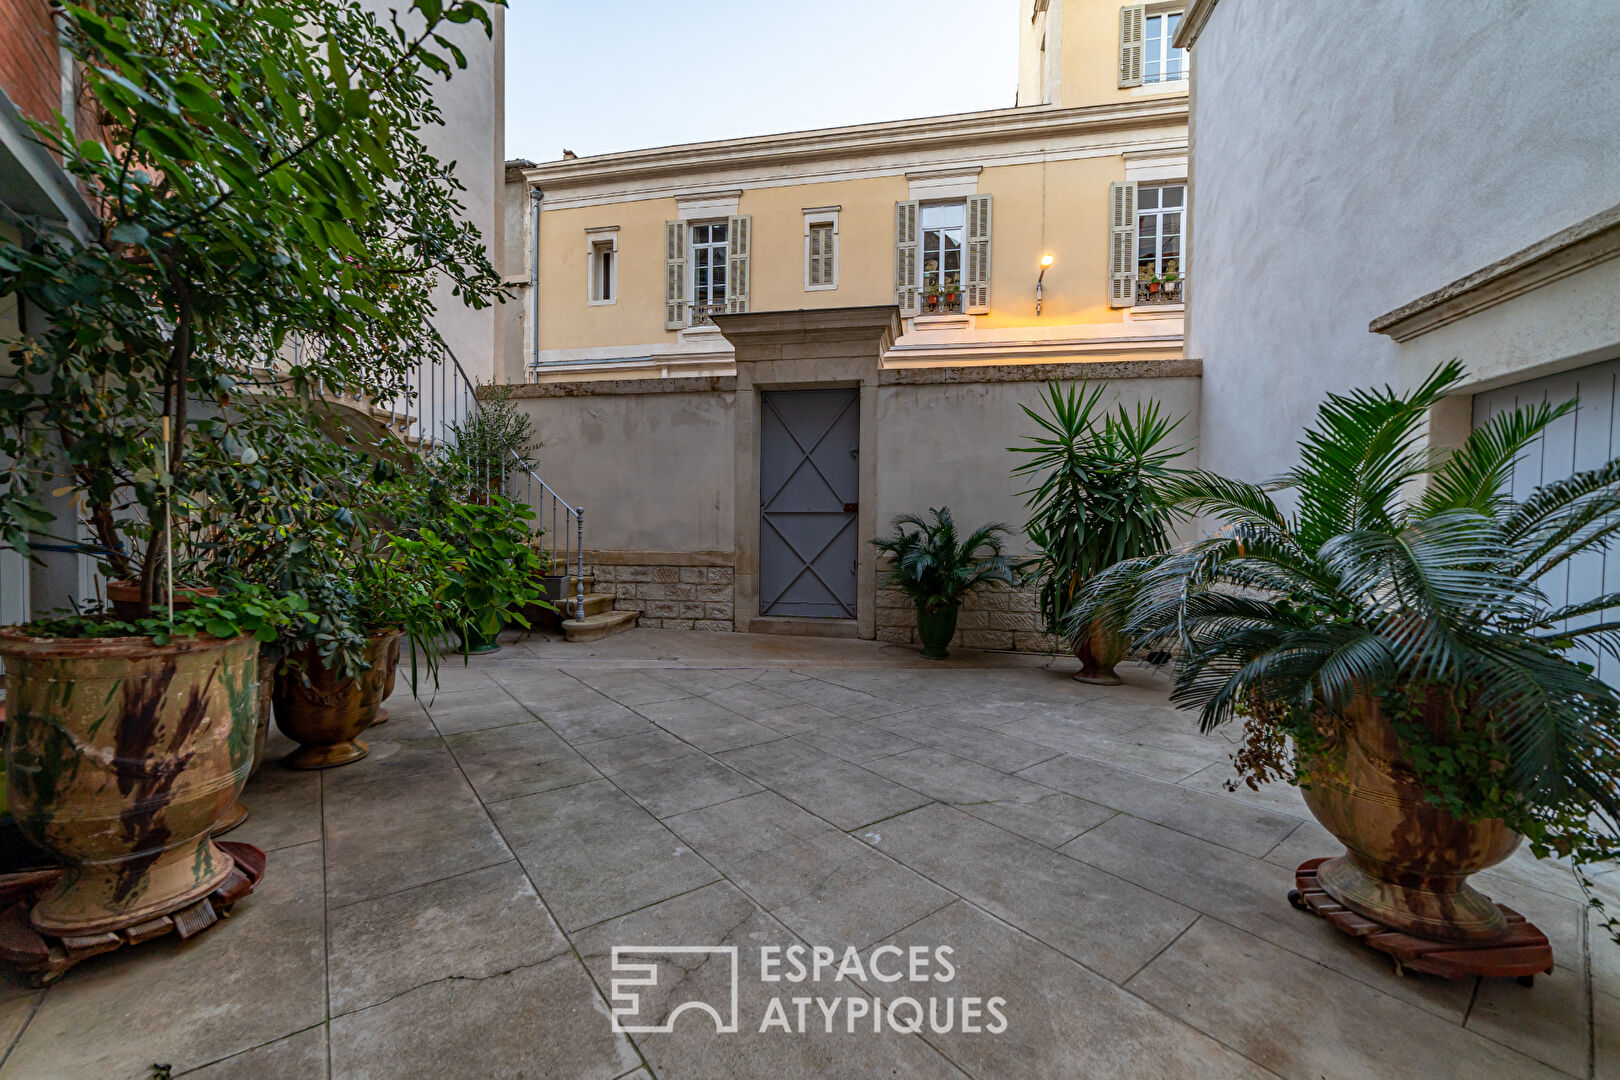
1101,496
936,571
1410,577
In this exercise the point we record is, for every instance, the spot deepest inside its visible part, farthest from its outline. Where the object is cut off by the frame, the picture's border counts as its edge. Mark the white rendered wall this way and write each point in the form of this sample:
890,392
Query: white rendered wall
1349,158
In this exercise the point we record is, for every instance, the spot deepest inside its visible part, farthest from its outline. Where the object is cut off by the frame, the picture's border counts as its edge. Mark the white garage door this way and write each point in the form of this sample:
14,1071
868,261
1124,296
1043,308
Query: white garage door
1583,440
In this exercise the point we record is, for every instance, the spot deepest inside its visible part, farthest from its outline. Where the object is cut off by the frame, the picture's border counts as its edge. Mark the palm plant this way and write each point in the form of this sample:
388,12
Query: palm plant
934,570
1102,494
1431,604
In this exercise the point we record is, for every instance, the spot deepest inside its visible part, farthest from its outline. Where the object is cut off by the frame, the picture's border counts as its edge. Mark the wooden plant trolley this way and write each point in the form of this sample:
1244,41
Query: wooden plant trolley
1522,953
44,958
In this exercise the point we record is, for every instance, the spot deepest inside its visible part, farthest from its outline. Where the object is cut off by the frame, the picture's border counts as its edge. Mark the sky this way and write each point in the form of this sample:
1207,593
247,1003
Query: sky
596,76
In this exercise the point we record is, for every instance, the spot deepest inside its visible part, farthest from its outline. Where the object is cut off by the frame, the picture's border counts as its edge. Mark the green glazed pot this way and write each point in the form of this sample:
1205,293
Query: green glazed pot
121,757
936,629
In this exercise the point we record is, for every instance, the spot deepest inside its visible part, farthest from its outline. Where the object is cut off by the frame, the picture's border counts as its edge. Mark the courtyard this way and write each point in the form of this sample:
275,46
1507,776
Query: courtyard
448,906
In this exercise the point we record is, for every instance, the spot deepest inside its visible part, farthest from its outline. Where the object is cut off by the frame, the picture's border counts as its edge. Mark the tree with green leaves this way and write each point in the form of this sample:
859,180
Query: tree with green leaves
271,221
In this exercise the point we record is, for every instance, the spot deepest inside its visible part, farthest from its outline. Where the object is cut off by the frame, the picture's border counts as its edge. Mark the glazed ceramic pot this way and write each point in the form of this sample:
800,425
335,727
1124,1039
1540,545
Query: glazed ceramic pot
1098,651
1407,861
121,757
391,669
935,630
323,712
475,641
269,658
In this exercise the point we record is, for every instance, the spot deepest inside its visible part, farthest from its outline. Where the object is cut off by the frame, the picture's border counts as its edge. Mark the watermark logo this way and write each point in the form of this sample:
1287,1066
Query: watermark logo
627,1003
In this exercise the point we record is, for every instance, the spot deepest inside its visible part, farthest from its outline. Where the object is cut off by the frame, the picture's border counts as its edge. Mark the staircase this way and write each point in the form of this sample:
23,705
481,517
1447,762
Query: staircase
444,398
590,615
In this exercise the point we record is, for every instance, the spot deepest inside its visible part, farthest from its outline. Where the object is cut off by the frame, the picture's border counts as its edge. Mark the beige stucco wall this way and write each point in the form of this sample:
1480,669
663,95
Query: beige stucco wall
1058,207
653,470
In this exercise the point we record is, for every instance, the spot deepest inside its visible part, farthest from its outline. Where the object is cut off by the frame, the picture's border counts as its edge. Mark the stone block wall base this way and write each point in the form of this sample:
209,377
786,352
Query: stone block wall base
993,618
671,597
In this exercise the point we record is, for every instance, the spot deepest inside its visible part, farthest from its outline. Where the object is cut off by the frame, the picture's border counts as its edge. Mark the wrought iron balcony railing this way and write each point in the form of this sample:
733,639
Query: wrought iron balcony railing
1165,292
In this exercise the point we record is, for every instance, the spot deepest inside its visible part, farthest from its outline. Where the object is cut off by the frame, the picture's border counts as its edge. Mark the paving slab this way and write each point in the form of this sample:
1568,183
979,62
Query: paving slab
705,725
594,853
299,1056
1306,1022
284,807
1097,918
1061,1019
1252,894
470,926
1208,817
506,762
472,710
688,782
989,748
542,1020
613,756
824,885
829,787
1039,813
384,837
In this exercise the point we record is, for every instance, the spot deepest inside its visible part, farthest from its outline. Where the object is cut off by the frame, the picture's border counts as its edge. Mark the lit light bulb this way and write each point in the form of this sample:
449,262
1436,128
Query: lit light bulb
1047,260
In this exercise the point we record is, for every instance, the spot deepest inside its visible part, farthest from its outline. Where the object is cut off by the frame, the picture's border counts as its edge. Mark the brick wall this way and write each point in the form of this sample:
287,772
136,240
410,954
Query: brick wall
671,597
30,70
991,618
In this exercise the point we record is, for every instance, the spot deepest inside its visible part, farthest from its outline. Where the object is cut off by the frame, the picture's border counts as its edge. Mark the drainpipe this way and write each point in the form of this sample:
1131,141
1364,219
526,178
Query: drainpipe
535,196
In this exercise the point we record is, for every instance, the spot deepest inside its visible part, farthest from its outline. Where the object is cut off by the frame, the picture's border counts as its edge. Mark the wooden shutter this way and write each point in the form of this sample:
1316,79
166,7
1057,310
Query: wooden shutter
674,275
738,240
1122,244
976,299
818,265
1132,21
905,256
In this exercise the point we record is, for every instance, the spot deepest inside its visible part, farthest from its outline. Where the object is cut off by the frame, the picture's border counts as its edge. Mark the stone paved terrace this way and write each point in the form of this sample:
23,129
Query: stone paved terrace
446,908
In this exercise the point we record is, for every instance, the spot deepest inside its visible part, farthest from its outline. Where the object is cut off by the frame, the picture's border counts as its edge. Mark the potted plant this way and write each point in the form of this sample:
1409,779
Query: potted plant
1388,650
492,570
1102,496
927,563
227,224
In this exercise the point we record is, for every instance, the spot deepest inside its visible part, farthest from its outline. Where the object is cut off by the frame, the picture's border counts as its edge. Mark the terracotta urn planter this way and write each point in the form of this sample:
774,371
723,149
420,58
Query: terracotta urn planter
323,712
1407,861
121,757
1098,651
391,668
125,598
935,630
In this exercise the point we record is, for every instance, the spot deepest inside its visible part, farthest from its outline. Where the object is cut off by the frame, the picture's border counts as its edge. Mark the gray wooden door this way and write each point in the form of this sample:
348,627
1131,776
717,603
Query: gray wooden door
1585,439
808,491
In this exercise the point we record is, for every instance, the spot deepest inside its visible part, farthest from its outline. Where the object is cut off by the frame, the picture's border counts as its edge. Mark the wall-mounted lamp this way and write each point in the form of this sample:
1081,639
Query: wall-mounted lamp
1046,261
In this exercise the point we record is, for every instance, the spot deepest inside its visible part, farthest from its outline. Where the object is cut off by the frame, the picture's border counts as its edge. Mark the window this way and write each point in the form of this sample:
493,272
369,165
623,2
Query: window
602,266
708,270
944,232
821,248
1160,213
1161,60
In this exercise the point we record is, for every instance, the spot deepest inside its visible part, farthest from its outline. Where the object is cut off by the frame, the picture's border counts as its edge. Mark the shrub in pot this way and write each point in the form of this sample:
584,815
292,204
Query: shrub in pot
1394,655
1101,497
936,571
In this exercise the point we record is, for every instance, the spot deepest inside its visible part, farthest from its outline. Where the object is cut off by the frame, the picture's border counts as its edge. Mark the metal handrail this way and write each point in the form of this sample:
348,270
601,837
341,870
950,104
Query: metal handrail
572,532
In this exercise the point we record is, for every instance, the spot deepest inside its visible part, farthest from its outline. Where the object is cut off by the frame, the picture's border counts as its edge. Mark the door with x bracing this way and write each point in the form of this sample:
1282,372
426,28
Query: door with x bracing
808,495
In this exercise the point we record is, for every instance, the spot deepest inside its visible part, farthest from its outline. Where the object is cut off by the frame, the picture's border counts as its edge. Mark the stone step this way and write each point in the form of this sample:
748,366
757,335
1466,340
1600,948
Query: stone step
596,627
595,604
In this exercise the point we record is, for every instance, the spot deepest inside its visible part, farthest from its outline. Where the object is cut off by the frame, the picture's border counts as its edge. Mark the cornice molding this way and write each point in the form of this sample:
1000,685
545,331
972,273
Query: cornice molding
1192,22
1569,251
1034,123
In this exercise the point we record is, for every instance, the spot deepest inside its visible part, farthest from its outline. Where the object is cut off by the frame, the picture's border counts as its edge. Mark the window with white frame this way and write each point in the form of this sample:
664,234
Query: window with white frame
602,266
943,228
1161,60
821,249
708,262
1160,218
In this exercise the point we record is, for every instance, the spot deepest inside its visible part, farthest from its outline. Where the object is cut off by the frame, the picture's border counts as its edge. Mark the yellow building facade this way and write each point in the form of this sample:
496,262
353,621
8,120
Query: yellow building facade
620,259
